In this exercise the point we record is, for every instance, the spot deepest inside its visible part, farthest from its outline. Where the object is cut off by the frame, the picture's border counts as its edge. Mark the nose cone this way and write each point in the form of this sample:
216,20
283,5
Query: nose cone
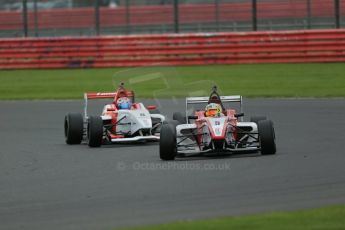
217,127
146,123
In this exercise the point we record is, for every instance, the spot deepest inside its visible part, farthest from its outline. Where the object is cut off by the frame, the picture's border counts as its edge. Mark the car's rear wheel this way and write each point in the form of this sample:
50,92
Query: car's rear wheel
73,126
256,119
95,131
155,111
177,116
167,142
267,137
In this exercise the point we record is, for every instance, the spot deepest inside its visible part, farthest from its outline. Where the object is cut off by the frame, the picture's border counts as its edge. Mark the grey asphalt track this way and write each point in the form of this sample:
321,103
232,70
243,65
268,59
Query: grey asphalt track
46,184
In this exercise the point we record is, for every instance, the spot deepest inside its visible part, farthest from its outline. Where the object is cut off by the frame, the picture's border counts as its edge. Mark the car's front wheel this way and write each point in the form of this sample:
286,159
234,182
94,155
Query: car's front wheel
167,142
267,137
95,131
256,119
73,126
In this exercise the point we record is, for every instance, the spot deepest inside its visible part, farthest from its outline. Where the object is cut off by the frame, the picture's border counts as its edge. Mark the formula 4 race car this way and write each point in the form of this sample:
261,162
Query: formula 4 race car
218,129
121,121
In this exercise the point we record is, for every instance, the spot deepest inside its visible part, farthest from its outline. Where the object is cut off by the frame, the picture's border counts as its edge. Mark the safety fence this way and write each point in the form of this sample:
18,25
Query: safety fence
170,17
174,49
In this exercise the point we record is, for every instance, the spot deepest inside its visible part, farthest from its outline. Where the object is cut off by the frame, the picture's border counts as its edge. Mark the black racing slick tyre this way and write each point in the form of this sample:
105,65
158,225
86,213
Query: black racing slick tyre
267,137
167,142
256,119
95,131
177,116
74,127
171,122
155,111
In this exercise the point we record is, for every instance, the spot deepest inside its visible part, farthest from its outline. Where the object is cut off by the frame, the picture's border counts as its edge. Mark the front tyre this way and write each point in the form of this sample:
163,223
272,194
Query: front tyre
267,137
95,131
167,142
256,119
74,127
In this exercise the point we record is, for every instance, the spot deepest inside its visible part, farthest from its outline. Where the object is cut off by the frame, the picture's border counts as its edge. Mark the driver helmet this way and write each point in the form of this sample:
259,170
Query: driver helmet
213,110
124,103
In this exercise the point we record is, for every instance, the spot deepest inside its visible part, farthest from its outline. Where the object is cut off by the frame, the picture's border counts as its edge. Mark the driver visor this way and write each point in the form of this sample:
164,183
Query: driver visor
211,112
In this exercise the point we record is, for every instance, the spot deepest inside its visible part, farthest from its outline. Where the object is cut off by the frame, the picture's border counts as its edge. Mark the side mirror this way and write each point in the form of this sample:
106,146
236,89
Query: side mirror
193,117
151,107
110,109
237,115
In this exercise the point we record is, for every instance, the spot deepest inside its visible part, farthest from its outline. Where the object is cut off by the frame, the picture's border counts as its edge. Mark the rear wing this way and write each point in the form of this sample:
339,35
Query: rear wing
200,100
99,95
92,96
197,100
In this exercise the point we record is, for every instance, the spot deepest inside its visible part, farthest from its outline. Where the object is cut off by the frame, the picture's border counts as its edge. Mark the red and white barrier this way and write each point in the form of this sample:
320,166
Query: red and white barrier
174,49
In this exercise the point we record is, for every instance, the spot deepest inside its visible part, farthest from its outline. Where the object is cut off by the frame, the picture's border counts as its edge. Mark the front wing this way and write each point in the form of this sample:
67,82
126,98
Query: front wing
187,135
135,139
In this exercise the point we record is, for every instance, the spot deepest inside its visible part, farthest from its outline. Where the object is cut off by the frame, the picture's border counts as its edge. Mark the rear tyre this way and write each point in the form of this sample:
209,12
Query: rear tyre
171,122
167,142
155,111
267,137
177,116
73,126
256,119
95,131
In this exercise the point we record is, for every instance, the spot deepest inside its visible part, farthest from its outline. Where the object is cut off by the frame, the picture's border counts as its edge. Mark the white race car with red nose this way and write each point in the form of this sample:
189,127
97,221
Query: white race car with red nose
222,132
121,121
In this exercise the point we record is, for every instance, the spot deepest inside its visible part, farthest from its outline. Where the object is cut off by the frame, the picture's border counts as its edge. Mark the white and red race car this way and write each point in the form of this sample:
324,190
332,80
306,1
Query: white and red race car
197,134
114,125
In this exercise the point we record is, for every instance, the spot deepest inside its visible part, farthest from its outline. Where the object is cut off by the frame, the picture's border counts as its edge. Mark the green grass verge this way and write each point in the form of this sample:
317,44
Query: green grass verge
329,218
264,80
